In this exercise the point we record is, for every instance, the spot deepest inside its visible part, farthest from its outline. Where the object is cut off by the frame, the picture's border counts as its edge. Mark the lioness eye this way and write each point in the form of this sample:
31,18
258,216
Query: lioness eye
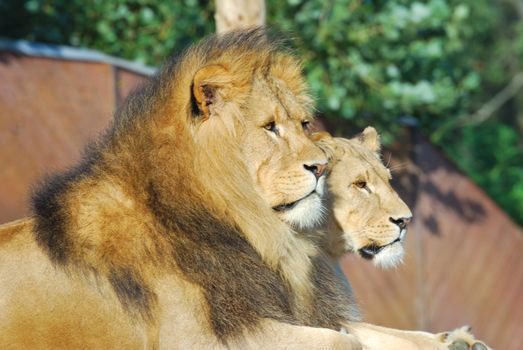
363,186
271,127
360,184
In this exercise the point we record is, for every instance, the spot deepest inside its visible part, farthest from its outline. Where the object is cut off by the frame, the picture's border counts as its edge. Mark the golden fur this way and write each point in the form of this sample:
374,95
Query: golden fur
363,212
160,237
367,216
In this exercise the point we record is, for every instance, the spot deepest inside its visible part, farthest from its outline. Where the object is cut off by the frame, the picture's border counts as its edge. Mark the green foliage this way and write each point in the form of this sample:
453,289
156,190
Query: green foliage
367,61
142,30
490,154
373,61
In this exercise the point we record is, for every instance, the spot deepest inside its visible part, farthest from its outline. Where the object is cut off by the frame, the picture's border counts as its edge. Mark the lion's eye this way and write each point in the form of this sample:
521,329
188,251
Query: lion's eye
306,124
271,127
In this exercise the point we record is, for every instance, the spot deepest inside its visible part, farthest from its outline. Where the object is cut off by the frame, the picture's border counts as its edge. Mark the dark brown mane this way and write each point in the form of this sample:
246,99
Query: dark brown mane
208,250
138,206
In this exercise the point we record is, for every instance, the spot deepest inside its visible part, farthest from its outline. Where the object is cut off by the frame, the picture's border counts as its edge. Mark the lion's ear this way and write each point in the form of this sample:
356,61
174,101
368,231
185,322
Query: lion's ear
210,86
370,139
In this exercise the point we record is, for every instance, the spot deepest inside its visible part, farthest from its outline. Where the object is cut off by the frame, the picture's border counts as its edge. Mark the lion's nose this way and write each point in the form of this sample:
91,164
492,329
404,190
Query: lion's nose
317,169
401,222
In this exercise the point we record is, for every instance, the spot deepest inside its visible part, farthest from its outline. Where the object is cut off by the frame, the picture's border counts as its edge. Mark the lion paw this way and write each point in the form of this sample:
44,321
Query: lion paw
462,339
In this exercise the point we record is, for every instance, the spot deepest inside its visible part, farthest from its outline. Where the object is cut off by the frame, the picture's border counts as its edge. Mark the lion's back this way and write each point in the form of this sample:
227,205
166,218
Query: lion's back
43,307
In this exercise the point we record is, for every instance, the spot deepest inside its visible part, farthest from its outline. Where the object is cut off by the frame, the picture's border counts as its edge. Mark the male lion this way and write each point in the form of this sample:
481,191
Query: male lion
366,215
159,238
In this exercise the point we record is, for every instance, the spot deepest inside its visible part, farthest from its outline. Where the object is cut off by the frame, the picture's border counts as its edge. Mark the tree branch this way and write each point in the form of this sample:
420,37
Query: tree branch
488,109
238,14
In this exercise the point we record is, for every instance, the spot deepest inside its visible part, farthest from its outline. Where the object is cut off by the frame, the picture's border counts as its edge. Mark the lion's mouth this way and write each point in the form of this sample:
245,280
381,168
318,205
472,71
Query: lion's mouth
288,206
371,250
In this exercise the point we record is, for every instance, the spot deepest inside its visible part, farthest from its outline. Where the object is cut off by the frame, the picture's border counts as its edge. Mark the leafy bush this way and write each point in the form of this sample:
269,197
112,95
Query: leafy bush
142,30
490,154
374,61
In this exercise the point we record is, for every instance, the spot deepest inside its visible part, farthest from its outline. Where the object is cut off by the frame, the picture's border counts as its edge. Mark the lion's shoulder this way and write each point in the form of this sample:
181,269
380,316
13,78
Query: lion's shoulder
18,232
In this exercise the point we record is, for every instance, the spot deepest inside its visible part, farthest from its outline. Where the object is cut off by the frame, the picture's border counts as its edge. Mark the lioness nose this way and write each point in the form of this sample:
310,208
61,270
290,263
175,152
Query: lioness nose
401,222
317,169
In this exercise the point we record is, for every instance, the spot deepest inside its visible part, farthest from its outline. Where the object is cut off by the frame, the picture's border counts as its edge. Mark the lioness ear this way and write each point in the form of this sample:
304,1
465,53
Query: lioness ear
321,135
210,85
370,139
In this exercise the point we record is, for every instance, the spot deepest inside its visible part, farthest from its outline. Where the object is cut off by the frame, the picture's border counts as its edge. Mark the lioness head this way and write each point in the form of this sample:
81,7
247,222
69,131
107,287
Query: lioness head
267,107
371,216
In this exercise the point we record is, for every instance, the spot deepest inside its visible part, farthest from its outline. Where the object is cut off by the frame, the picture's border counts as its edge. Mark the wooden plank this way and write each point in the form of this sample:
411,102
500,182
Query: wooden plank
125,82
48,110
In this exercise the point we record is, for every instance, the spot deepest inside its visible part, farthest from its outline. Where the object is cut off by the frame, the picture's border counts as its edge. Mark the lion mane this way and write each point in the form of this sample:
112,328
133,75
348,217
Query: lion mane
165,192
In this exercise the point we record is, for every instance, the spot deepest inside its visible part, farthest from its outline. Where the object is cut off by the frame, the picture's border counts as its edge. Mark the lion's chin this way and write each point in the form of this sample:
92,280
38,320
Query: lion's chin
307,213
388,257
